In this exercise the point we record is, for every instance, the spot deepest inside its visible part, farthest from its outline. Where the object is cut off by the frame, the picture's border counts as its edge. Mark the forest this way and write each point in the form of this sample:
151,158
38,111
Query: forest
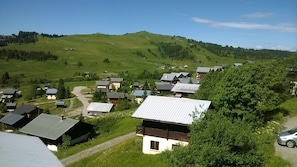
26,55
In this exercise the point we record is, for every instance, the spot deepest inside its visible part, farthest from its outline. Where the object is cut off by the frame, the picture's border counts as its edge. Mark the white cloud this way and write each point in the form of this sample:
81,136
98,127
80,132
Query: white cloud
259,15
282,27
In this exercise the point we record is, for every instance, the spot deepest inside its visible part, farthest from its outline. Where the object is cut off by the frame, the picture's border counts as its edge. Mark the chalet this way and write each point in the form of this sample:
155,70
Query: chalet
20,117
60,104
51,93
166,121
102,84
28,111
188,80
12,121
201,71
23,150
163,87
137,85
115,83
114,97
8,95
51,128
181,74
170,78
184,89
10,106
96,108
139,95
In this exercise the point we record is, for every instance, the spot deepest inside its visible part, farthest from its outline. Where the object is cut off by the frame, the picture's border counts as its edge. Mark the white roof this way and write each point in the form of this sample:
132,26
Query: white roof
99,107
185,88
25,151
170,109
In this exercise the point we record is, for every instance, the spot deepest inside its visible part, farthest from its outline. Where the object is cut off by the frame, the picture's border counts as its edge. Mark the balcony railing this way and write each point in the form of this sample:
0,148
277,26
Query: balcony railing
168,134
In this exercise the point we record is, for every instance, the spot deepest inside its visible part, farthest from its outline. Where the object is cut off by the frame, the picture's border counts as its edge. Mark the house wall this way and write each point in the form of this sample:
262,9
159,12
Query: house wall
101,86
51,97
138,100
164,144
116,86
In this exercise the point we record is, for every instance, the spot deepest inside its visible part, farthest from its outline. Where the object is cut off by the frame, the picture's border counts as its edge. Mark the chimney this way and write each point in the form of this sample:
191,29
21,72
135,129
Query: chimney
62,117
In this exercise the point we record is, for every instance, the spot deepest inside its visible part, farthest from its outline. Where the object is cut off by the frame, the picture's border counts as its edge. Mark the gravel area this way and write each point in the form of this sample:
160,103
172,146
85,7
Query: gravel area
289,154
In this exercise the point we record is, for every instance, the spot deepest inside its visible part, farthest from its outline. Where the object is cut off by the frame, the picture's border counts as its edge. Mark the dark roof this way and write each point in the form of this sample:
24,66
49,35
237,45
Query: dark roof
163,86
24,109
137,84
49,126
9,91
11,118
169,77
116,95
203,69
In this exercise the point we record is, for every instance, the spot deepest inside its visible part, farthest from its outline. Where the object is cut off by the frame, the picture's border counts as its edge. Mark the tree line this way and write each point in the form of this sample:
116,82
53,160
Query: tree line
22,37
26,55
240,53
174,51
243,100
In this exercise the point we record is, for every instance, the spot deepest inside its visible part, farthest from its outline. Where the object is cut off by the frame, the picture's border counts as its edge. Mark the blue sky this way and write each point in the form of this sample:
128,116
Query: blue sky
270,24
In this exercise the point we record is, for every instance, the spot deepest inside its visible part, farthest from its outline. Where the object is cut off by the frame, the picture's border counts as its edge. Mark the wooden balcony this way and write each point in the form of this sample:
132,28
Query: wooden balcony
164,133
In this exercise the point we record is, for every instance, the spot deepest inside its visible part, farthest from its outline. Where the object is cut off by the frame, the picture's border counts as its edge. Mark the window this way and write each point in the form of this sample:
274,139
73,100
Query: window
155,145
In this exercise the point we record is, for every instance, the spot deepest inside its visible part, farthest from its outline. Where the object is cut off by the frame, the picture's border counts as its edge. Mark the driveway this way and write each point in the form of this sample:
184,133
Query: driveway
289,154
84,100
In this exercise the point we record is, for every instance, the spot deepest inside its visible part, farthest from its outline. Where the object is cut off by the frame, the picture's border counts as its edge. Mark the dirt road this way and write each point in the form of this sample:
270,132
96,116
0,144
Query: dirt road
84,100
97,148
289,154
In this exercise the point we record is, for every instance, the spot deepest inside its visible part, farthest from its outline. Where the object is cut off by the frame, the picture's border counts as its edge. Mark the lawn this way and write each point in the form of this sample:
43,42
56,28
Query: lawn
128,154
108,126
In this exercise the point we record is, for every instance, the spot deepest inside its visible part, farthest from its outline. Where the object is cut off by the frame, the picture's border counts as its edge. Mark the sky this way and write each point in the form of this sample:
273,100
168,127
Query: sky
256,24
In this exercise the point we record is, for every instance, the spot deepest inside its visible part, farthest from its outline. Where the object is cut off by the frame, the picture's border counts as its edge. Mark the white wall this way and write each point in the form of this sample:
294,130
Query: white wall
164,144
51,97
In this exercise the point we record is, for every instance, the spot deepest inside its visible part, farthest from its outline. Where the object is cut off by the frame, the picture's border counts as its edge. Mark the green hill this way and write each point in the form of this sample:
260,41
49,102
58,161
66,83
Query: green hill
110,54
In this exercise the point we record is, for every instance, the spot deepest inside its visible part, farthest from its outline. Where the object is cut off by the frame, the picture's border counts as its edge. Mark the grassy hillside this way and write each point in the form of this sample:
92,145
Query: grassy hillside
91,50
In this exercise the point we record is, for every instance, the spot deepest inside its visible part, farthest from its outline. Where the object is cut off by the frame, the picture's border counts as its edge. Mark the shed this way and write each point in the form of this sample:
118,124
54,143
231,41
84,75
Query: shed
96,108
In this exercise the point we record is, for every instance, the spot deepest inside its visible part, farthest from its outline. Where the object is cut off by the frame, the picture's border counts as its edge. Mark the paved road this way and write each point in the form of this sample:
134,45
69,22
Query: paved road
85,101
97,148
289,154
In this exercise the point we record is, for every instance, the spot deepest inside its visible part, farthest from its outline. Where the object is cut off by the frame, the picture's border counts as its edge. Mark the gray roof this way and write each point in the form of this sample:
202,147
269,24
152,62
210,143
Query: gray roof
185,88
168,77
11,118
24,109
116,95
11,104
119,80
237,64
51,91
170,109
104,90
187,80
216,68
49,126
26,151
99,107
163,86
203,69
102,83
60,103
181,74
9,91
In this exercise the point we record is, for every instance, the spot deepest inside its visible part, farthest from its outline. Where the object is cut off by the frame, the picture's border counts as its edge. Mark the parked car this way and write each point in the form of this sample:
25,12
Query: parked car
288,138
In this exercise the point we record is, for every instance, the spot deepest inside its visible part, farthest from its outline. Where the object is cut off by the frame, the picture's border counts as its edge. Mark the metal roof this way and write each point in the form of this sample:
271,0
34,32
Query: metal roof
103,83
188,80
203,69
9,91
24,109
138,93
163,86
99,107
170,109
26,151
51,91
185,88
49,126
9,104
116,79
11,118
168,77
